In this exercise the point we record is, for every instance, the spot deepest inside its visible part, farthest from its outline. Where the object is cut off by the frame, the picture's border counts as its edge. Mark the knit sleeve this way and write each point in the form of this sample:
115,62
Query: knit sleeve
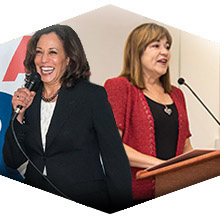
188,133
117,90
186,120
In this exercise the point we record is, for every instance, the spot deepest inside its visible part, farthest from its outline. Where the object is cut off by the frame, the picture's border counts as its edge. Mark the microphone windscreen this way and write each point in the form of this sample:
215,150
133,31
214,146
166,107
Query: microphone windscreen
34,79
181,81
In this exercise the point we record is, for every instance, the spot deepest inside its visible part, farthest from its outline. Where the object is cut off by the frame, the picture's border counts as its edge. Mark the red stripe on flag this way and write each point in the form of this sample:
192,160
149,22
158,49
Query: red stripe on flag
16,65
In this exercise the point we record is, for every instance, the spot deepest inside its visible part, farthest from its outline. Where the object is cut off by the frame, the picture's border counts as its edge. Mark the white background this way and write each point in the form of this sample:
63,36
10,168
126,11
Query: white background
19,201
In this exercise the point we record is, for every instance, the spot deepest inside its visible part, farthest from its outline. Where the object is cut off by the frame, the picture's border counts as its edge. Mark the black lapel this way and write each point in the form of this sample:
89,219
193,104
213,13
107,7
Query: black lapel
35,116
66,103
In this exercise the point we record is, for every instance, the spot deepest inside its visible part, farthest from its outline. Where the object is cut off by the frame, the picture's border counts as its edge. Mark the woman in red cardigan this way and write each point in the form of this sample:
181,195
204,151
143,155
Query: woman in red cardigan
150,113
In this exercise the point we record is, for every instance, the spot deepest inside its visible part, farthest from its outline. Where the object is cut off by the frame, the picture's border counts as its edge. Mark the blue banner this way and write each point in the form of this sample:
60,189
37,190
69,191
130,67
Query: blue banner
12,55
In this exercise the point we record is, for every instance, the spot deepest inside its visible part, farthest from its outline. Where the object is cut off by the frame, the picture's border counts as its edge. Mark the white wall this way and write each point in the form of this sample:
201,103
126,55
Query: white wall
200,67
103,33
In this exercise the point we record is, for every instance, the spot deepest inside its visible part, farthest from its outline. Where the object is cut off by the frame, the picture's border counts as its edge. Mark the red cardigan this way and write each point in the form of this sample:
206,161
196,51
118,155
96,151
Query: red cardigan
134,118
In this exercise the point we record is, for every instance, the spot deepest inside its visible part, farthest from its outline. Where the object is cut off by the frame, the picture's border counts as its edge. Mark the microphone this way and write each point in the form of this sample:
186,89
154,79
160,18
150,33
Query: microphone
34,79
181,81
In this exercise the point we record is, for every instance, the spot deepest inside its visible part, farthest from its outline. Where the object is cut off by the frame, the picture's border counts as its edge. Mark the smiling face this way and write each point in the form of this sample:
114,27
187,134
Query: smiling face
50,59
155,58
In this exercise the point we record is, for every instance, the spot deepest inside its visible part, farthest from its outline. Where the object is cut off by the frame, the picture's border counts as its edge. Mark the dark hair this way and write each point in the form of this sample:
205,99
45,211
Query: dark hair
78,67
136,43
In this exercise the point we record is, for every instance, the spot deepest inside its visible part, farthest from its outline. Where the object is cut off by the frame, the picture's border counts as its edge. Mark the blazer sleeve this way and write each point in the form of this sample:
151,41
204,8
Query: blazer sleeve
115,161
117,90
12,155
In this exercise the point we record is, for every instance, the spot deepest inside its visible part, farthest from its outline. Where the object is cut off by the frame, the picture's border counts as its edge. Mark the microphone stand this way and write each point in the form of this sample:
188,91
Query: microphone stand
200,102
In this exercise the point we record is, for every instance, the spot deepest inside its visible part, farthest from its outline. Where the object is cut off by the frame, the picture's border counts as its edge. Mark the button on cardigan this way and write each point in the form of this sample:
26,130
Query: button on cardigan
134,118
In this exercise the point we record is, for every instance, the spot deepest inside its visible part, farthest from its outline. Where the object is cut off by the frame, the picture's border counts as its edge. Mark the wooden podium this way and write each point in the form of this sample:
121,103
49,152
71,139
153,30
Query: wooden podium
182,174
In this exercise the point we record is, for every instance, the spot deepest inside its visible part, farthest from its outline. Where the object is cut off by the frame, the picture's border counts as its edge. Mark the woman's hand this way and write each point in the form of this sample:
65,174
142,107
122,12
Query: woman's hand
22,97
187,146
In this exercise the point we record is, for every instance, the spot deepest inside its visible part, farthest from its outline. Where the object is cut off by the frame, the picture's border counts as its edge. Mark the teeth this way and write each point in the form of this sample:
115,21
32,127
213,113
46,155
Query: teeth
163,61
47,69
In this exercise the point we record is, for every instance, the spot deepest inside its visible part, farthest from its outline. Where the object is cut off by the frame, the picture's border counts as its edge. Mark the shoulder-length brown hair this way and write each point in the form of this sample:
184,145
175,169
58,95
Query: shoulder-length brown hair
78,67
136,43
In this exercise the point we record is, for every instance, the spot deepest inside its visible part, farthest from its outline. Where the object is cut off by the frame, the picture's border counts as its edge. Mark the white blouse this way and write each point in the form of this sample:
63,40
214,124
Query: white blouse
47,109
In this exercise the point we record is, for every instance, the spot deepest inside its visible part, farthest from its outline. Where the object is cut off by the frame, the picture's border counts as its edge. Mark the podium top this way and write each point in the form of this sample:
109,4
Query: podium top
188,159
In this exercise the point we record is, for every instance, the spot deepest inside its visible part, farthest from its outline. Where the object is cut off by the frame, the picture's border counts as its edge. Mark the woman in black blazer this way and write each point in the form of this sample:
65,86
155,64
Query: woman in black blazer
66,127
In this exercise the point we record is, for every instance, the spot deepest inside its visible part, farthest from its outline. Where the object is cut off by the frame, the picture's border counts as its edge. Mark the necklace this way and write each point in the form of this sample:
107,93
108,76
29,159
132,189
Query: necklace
51,98
167,110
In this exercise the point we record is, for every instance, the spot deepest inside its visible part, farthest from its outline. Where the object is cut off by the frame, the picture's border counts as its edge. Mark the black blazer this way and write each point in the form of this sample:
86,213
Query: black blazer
82,128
